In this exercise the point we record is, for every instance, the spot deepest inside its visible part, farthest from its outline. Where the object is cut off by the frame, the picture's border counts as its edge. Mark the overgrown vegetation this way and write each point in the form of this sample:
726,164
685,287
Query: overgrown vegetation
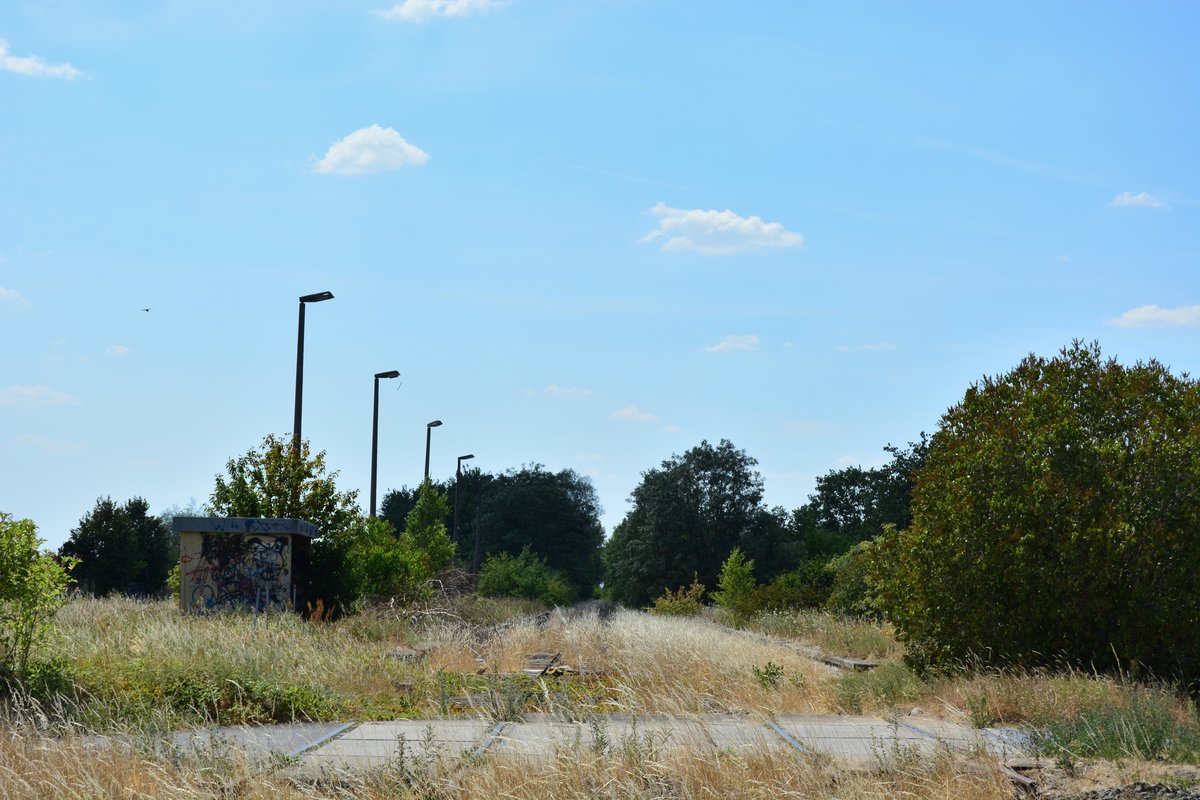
1056,519
525,575
33,586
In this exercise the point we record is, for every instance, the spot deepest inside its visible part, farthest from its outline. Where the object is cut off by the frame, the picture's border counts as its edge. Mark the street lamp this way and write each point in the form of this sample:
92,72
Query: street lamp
457,475
375,432
308,298
429,426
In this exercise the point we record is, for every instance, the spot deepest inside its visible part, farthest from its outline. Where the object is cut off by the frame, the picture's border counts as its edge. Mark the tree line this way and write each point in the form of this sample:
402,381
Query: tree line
533,525
1052,517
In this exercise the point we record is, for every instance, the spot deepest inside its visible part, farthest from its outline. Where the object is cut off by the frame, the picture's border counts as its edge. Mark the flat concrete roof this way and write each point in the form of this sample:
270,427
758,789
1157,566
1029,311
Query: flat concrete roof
243,525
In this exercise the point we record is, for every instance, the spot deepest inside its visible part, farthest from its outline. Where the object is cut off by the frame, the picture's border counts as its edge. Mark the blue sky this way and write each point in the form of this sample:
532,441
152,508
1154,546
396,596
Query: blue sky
589,234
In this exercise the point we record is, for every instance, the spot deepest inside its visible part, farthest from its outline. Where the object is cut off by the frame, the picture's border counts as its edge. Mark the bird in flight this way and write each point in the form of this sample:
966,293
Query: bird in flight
145,309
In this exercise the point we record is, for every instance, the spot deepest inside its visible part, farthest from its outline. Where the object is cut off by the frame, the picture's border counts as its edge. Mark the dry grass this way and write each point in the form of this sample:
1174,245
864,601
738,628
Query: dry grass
131,667
833,633
655,665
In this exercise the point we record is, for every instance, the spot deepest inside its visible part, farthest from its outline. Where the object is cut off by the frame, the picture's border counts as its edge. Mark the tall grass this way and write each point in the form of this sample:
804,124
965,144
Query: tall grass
833,633
1077,715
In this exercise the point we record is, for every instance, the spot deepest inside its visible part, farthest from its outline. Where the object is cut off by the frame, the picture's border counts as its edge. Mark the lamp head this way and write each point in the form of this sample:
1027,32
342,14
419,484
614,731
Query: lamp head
464,458
391,373
316,298
433,424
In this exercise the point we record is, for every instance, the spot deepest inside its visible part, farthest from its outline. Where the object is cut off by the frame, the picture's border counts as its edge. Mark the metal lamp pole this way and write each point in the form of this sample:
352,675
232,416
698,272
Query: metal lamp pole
375,432
308,298
457,503
429,426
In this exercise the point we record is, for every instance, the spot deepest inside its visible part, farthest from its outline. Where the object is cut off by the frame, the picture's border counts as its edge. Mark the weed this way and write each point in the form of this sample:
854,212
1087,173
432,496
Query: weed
981,712
769,676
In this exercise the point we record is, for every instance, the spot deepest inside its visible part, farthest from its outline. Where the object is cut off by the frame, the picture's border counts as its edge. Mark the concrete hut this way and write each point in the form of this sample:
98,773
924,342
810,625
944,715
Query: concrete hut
237,562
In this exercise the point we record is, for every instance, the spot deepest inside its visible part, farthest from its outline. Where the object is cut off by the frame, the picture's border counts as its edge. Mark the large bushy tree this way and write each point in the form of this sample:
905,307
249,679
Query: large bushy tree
122,548
1057,517
687,517
280,480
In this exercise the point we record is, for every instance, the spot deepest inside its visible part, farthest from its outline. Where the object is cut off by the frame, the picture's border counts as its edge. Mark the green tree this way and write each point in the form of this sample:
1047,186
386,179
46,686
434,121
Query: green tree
687,516
856,503
279,480
425,530
122,548
1057,517
554,514
736,586
33,586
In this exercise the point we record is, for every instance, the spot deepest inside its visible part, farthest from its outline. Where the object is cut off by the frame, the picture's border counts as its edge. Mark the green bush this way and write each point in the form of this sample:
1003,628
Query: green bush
686,601
525,575
33,586
853,591
1057,518
736,590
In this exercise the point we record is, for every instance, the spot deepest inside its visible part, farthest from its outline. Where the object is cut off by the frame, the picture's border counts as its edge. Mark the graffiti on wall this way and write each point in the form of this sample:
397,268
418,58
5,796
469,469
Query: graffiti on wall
224,571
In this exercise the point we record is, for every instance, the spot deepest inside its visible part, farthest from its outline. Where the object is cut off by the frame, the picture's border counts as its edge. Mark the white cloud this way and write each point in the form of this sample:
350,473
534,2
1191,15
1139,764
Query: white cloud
33,66
1063,259
10,294
566,391
1153,316
33,397
717,233
672,429
633,414
846,348
731,343
117,350
422,10
371,149
1143,199
590,457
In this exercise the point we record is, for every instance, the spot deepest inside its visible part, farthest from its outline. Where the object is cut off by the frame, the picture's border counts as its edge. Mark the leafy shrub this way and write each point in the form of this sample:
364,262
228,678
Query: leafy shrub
686,601
768,676
1057,517
736,593
33,586
366,558
853,591
525,575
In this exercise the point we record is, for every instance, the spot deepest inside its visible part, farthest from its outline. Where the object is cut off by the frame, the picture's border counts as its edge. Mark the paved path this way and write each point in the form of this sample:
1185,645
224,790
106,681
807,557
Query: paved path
857,742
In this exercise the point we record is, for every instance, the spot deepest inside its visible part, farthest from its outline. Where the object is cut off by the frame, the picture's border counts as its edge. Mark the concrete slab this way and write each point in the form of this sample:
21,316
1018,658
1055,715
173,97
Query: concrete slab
1000,742
542,738
414,742
858,741
742,735
261,741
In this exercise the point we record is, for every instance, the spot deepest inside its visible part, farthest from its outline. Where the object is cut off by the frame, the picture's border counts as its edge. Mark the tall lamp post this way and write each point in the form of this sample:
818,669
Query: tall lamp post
375,432
308,298
429,426
457,476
